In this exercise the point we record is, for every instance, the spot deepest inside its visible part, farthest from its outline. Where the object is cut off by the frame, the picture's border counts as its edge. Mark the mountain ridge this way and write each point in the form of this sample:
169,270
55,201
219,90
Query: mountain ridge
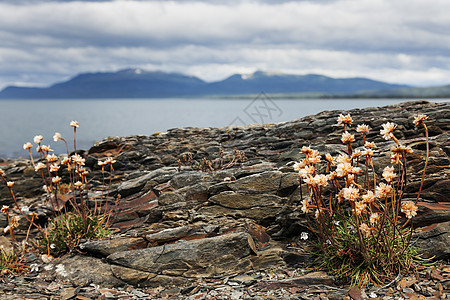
139,83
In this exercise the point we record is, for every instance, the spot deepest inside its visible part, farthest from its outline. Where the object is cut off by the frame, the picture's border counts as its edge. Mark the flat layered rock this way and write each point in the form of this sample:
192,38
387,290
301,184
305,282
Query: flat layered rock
225,254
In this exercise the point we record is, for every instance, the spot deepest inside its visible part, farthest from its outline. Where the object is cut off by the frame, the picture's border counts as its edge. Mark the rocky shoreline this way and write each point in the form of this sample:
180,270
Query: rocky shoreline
232,233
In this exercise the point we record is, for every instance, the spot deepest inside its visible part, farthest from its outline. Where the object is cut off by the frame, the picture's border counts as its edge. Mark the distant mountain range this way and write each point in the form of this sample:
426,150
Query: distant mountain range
137,83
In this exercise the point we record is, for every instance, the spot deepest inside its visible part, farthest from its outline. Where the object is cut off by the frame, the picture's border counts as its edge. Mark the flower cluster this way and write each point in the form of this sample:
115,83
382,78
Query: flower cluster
347,193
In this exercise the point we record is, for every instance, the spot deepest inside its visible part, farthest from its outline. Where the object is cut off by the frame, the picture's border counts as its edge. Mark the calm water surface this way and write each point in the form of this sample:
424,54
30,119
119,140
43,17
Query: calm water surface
21,120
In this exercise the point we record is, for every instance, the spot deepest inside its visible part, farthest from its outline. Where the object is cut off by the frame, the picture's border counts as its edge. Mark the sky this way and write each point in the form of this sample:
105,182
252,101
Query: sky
398,41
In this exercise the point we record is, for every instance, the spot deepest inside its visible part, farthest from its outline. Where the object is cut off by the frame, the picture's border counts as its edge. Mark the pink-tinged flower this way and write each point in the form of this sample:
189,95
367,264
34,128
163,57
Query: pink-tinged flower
356,170
77,159
51,158
65,161
39,166
347,119
342,158
350,179
370,145
74,124
57,136
110,161
10,184
331,176
306,150
297,166
369,197
5,209
309,180
27,146
409,209
320,180
419,119
56,179
351,194
360,208
54,168
365,229
363,128
347,138
367,152
305,206
383,191
388,129
33,215
306,171
343,169
317,213
14,222
396,158
402,149
78,184
45,148
388,174
38,139
329,158
356,153
314,158
374,218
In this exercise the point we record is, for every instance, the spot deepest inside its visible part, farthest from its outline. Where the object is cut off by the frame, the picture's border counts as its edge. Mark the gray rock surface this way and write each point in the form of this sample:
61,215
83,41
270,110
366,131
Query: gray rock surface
178,227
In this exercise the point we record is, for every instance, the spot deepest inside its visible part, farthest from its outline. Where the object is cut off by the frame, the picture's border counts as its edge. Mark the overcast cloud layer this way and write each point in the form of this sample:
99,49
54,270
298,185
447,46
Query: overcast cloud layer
398,41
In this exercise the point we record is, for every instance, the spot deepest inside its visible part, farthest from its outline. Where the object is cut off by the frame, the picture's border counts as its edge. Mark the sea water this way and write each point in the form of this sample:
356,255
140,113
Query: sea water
21,120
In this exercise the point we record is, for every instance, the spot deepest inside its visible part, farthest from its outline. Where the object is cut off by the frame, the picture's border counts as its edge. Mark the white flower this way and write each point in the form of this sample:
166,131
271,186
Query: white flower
305,206
5,209
347,137
388,174
78,184
388,129
363,128
38,139
54,168
304,236
77,159
419,119
56,179
409,209
57,136
51,158
10,184
27,146
297,166
39,166
74,124
344,119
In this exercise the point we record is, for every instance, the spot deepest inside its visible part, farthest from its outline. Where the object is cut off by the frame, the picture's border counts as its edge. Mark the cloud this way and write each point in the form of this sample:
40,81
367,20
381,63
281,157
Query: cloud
213,39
